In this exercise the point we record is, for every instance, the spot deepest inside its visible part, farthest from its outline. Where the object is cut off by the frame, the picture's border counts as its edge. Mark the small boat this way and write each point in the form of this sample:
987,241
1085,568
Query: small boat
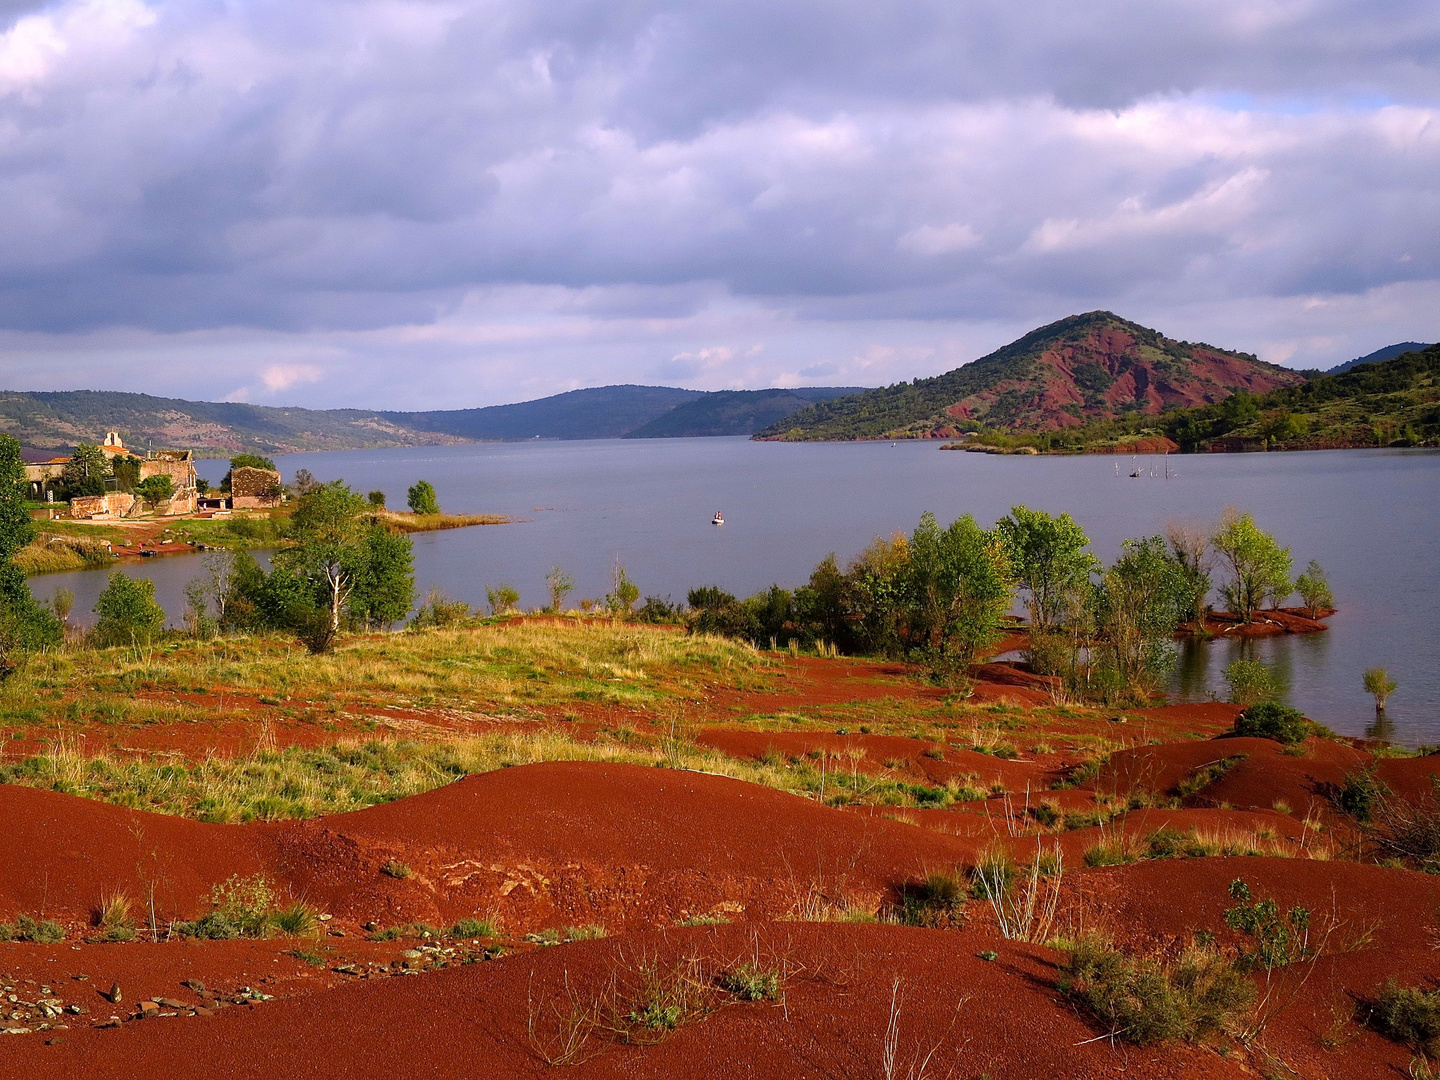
718,519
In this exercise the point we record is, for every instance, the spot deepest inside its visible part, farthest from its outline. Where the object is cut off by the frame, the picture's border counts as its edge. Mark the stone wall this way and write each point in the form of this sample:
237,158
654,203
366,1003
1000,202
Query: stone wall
179,465
112,504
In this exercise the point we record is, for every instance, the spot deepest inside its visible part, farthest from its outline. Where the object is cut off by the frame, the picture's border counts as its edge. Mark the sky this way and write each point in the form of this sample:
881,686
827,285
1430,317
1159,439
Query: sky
448,203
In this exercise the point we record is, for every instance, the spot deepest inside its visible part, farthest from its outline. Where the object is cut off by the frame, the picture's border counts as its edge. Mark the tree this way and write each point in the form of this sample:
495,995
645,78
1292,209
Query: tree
1190,551
326,528
1049,560
560,584
1377,681
24,625
1139,604
382,576
128,612
1259,567
126,469
421,498
86,472
623,592
245,461
958,585
377,499
502,599
304,483
1314,588
156,489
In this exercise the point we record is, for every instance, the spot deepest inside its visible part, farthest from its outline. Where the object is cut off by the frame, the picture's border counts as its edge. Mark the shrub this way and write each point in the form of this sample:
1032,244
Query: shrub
295,920
421,498
376,499
244,908
1278,941
1314,588
502,599
27,928
1360,793
1251,683
994,875
439,611
473,928
1408,1015
128,612
113,918
396,869
156,489
1270,720
1143,1000
934,901
751,982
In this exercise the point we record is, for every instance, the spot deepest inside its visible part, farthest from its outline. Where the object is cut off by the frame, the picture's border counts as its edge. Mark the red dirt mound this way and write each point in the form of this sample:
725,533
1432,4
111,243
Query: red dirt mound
1266,772
964,1015
565,841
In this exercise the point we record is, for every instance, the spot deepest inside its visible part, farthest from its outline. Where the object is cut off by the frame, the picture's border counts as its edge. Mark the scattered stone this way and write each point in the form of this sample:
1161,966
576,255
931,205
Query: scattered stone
193,984
170,1003
326,917
15,1031
149,1008
114,996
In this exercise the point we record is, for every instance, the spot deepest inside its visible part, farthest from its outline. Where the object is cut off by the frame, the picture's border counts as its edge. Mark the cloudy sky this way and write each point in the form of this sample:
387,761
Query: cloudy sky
444,203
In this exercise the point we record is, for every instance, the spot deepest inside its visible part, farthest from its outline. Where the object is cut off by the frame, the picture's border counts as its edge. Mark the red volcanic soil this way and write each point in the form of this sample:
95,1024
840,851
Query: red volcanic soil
565,842
962,1015
1269,623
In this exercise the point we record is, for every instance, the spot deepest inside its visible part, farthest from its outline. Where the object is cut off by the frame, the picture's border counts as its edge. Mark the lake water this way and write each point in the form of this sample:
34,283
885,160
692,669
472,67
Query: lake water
1370,516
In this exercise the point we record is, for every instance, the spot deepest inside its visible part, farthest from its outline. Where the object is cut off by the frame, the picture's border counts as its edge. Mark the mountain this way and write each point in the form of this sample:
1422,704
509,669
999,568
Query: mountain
604,412
735,412
57,420
1079,370
1393,403
1379,356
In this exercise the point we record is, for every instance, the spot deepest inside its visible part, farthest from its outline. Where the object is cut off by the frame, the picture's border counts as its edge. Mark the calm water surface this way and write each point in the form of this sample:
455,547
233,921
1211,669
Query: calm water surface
1369,516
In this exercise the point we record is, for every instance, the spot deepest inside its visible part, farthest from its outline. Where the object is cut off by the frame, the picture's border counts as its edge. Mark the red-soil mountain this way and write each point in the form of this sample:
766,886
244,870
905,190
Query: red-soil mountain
539,845
954,1014
1082,369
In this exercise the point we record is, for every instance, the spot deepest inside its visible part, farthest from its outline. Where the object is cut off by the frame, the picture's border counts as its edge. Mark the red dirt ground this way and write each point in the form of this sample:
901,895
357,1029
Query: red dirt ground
1000,1018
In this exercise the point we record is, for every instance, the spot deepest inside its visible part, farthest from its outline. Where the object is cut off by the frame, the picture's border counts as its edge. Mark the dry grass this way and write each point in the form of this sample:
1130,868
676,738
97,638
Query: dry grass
413,523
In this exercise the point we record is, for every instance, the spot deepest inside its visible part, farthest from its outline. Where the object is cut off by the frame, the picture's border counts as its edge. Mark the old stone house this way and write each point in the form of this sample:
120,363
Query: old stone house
253,489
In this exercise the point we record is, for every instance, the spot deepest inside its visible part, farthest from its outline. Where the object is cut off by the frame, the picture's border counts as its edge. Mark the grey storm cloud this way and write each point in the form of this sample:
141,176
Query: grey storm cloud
524,196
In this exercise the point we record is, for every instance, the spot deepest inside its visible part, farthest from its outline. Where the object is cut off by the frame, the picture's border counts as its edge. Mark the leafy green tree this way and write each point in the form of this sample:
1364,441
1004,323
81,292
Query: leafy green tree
560,585
820,605
1259,567
1378,683
326,529
1049,560
1314,588
24,625
377,499
129,614
382,576
1139,604
156,489
959,588
86,472
502,599
421,498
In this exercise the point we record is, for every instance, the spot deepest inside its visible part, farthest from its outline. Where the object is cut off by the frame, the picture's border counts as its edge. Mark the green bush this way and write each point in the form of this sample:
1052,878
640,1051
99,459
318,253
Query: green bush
128,612
26,928
1278,941
1269,720
751,982
1361,792
472,928
934,901
1408,1015
421,498
1251,682
1143,1000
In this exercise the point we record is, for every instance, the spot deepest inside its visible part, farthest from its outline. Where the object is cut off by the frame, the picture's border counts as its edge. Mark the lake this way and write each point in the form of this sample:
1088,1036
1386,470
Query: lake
1369,516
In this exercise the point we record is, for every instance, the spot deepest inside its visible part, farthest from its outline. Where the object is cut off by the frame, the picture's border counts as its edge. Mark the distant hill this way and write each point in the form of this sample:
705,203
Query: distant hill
57,420
1379,356
1393,403
604,412
1085,368
735,412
